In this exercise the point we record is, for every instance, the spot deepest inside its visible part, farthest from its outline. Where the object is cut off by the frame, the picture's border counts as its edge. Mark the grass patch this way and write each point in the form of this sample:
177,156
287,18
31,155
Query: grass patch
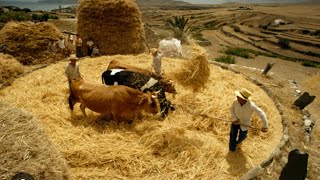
226,59
235,28
238,52
309,64
212,25
284,43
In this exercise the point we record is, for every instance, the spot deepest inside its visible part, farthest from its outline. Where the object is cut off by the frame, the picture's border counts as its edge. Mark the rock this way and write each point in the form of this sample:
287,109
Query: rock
304,100
296,168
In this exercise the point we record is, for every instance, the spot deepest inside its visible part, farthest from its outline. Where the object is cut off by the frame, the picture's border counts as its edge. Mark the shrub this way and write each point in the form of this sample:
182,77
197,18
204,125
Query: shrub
316,33
40,17
284,43
265,27
309,64
53,17
238,52
14,16
226,59
235,28
305,31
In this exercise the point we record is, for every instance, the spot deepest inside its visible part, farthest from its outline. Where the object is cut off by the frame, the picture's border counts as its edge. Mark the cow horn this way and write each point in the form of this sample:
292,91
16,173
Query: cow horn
153,96
157,92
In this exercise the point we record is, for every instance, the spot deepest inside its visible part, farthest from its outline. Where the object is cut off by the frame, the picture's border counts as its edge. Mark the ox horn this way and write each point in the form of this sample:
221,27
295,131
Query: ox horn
157,92
153,96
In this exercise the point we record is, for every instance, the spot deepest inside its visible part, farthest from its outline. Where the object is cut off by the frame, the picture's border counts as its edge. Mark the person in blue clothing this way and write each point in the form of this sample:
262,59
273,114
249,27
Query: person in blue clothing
241,112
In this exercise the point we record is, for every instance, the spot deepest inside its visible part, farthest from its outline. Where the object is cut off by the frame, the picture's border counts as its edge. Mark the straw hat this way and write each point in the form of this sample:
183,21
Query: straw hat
73,57
154,51
243,93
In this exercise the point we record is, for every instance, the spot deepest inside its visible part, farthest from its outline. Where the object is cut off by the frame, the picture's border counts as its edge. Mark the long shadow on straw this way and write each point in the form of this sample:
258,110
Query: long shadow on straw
99,123
237,162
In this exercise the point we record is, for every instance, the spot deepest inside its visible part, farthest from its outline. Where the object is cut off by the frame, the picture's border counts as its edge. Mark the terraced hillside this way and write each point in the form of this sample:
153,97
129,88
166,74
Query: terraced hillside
254,29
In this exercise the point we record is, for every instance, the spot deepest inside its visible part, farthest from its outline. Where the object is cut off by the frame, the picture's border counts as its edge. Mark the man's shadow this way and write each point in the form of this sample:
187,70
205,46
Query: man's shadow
237,162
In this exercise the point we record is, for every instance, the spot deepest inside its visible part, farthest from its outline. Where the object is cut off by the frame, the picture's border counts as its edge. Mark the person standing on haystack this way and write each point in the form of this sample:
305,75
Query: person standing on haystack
156,63
62,46
72,69
52,48
78,46
241,112
90,46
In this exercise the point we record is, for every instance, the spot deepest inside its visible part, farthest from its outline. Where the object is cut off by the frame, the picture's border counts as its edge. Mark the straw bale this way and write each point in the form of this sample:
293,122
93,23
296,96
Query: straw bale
114,25
195,71
28,41
10,68
183,146
25,147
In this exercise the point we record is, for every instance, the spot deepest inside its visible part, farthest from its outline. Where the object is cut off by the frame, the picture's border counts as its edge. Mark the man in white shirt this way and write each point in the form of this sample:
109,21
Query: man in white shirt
241,112
72,69
62,46
90,46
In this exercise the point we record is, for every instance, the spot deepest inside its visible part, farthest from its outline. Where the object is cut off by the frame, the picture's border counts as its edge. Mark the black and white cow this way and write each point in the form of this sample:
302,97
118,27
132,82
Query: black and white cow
138,81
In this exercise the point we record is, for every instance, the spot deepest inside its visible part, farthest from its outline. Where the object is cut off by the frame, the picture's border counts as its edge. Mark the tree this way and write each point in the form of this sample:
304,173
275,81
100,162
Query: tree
179,26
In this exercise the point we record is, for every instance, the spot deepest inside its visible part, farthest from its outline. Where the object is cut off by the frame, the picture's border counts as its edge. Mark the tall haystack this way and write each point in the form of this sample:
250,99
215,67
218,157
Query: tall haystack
28,41
114,25
10,68
25,147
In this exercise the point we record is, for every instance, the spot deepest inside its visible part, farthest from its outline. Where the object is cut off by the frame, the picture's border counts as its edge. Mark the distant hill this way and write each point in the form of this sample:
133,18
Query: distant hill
139,2
162,3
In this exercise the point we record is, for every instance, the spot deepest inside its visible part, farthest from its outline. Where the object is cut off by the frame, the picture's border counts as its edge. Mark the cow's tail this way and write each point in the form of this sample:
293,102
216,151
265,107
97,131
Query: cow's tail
102,77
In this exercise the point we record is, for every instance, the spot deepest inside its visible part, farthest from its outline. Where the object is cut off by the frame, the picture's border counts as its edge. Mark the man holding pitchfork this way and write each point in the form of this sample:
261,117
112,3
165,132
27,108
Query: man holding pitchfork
241,112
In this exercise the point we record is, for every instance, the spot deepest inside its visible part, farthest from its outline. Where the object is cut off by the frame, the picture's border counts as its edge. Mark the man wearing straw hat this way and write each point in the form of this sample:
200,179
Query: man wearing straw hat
241,112
72,69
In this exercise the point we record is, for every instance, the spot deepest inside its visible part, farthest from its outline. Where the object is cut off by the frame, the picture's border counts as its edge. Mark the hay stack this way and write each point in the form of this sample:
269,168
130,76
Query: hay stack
114,25
26,148
10,68
195,72
28,42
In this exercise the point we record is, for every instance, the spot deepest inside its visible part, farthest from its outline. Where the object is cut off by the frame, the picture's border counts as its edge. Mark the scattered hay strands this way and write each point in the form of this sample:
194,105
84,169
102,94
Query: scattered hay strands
195,72
183,146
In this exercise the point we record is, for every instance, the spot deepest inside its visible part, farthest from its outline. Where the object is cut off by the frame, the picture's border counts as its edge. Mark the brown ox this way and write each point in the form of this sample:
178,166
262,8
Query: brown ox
121,102
167,84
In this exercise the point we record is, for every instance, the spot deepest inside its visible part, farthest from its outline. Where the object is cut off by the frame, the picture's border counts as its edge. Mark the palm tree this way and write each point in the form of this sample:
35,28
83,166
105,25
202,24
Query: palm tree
179,26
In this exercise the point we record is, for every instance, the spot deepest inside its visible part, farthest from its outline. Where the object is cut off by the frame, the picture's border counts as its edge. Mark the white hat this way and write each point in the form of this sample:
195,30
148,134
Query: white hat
243,93
73,57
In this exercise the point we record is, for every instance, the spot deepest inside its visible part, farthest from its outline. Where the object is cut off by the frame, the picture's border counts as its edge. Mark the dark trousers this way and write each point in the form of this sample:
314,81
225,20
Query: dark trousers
90,51
79,51
234,139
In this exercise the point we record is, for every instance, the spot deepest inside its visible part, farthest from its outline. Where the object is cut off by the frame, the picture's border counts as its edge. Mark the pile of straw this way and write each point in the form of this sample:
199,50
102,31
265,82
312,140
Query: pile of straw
114,25
195,72
28,41
183,146
10,68
26,148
